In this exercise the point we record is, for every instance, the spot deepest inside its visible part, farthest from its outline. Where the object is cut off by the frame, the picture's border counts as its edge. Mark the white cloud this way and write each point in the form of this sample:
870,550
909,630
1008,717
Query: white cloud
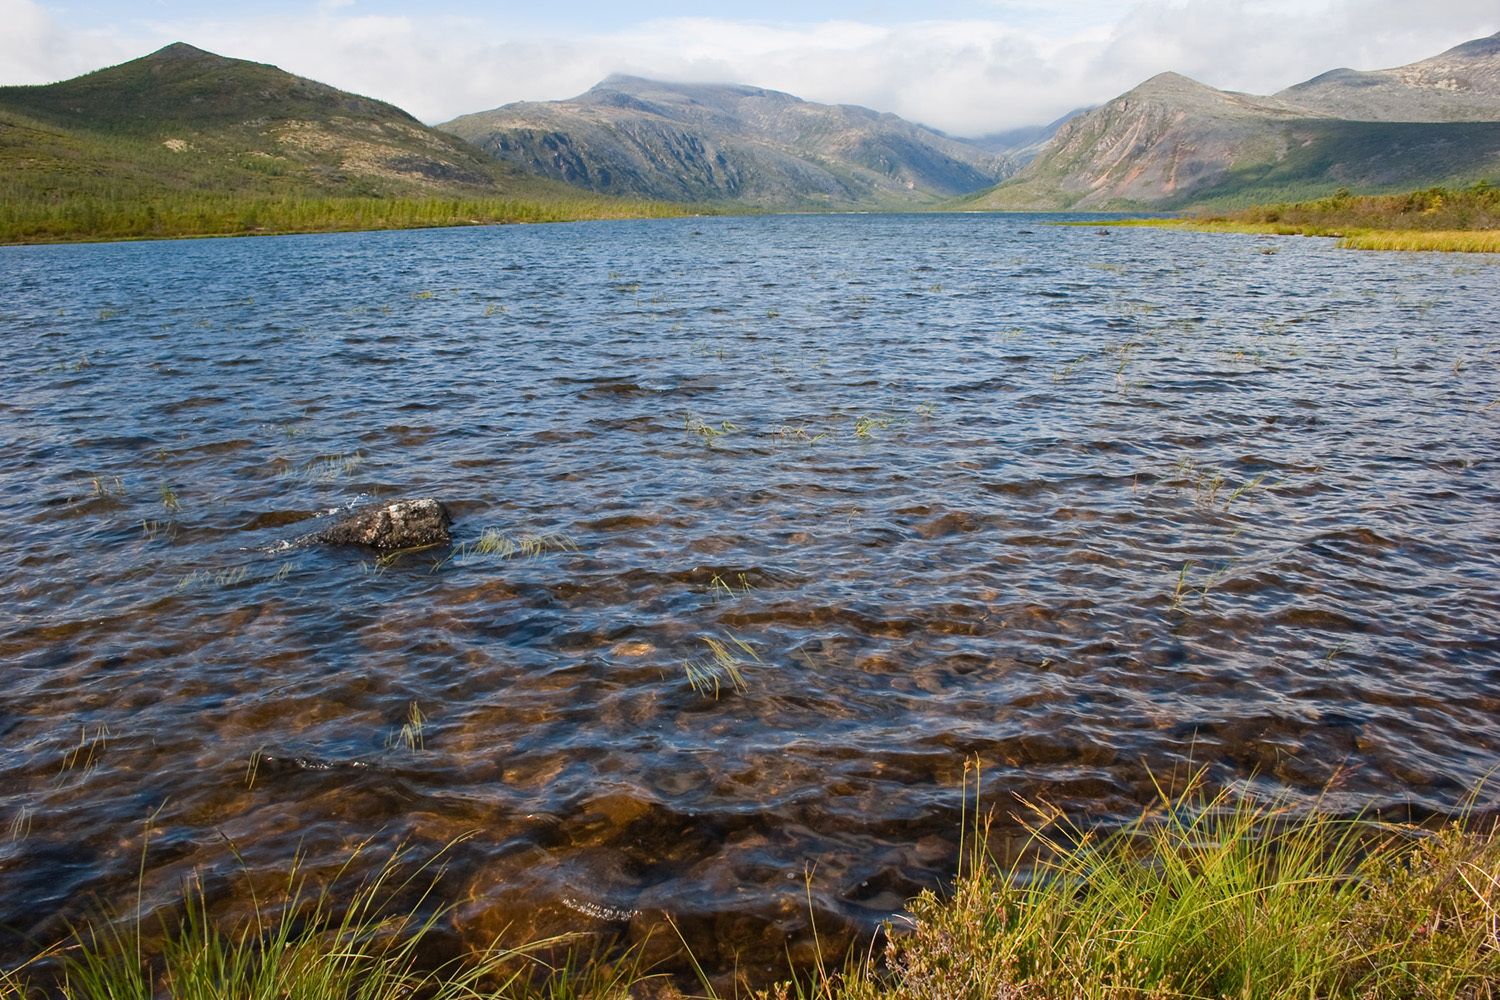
1027,62
1261,46
34,48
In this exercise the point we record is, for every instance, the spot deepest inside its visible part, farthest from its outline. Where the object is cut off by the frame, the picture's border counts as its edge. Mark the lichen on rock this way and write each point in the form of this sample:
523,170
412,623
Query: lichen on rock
403,524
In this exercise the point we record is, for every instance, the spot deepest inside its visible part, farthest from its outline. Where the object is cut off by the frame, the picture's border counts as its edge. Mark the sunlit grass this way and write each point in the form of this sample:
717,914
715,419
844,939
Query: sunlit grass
1453,241
718,585
305,944
1207,894
1484,241
1210,895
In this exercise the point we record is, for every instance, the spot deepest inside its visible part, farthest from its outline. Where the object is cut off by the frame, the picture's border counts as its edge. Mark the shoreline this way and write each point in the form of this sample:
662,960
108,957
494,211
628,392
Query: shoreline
1349,237
1204,895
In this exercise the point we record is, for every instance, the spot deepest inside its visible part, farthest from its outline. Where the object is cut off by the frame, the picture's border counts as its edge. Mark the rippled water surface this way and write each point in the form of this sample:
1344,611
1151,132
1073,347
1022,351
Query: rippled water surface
762,527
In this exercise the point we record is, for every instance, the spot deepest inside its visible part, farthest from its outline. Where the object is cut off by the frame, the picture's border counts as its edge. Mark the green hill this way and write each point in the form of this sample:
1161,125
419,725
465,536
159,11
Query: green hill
185,142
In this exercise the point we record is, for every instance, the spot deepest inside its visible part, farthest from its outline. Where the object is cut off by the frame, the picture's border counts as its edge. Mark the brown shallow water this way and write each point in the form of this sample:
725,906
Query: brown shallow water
1087,507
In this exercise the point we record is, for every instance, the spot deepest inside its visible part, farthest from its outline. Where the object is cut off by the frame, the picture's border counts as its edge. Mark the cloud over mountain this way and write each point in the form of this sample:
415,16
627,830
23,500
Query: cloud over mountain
995,66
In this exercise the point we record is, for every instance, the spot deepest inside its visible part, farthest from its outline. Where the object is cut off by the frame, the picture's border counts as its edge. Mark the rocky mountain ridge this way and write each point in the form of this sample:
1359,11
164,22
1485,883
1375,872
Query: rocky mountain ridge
1461,84
727,142
1173,142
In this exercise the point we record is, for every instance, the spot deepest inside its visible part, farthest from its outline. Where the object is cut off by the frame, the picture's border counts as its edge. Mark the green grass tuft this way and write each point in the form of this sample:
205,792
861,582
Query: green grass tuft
1212,896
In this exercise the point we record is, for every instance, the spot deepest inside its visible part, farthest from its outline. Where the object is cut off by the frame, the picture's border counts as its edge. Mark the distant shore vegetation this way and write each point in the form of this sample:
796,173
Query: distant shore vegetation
1453,219
194,214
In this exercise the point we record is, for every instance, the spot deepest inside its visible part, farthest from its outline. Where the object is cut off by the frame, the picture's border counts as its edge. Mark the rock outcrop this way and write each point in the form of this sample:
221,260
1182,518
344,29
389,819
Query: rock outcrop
404,524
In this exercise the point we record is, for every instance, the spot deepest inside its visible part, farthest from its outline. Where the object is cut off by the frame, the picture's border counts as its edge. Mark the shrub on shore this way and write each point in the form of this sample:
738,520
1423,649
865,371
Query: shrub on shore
1465,220
1435,209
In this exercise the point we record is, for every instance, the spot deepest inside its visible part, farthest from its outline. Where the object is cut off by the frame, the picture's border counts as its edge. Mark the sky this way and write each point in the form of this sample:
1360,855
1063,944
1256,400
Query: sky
967,67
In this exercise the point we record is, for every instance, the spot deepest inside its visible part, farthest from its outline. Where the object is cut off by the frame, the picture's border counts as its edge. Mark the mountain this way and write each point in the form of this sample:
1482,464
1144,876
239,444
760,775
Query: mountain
182,119
1023,144
1462,84
1173,143
723,143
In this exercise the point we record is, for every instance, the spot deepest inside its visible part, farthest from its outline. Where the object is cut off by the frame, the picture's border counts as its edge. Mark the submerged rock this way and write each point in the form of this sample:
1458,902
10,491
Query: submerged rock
404,524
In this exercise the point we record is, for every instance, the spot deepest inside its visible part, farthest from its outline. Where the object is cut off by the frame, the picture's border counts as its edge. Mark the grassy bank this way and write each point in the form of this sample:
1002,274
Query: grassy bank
188,215
1214,898
1462,220
1202,897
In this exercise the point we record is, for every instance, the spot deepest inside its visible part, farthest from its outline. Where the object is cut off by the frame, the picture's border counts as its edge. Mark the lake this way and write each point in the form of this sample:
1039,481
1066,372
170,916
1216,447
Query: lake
764,529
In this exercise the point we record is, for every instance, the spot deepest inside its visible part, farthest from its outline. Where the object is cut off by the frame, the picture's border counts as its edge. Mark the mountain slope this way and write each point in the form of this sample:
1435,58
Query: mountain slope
709,142
1461,84
1173,142
185,119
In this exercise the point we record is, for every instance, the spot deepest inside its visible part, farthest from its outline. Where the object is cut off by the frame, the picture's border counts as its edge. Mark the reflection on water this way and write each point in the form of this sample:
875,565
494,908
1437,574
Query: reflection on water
762,526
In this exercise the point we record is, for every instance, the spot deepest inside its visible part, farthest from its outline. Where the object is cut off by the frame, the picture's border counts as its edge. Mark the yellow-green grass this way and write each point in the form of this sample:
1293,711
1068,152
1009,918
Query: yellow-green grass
1219,224
1456,241
193,214
1204,896
1465,220
1213,896
1449,240
313,938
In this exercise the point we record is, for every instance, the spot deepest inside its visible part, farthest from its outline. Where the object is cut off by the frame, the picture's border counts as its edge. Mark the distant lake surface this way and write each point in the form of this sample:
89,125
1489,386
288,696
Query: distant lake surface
763,528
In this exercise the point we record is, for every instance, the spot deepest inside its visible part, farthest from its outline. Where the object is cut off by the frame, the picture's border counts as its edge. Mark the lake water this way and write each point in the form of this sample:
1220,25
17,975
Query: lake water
763,527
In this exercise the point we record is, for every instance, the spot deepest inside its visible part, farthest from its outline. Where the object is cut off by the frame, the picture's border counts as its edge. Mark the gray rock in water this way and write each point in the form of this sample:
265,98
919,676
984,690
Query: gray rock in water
404,524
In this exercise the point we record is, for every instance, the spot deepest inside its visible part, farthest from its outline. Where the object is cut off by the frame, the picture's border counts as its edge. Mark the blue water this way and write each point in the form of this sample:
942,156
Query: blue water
763,527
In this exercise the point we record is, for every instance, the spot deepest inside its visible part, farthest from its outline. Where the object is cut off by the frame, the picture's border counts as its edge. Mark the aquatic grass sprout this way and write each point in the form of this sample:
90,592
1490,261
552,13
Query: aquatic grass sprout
722,668
84,757
100,487
410,735
786,432
718,585
1182,589
707,432
496,544
19,829
227,577
1245,487
328,468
